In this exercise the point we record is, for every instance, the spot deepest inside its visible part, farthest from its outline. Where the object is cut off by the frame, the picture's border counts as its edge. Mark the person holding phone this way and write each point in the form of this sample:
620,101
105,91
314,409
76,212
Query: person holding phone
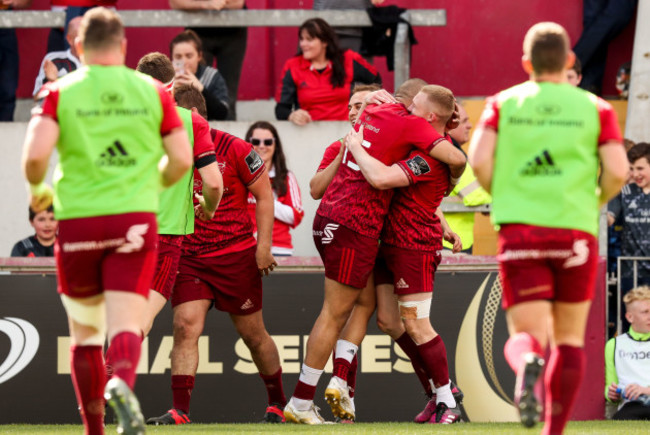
186,52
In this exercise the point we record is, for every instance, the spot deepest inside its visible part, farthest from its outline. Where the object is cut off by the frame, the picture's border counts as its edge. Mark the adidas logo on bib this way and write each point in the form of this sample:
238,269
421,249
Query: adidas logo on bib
542,164
115,155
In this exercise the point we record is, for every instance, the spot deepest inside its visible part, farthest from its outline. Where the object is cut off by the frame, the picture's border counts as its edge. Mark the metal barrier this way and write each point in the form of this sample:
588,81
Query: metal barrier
247,18
635,282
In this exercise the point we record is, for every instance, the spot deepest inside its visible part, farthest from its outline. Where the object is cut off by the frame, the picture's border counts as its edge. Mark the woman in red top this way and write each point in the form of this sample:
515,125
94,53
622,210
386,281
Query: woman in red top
316,82
288,204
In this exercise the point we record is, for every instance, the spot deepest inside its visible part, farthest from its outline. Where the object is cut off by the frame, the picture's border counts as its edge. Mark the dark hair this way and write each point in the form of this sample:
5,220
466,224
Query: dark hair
186,36
156,65
279,182
640,150
318,28
32,213
100,29
188,96
577,66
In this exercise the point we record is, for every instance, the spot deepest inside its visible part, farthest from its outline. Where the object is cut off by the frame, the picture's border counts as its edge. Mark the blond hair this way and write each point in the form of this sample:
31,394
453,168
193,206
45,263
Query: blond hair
442,99
547,45
101,29
641,293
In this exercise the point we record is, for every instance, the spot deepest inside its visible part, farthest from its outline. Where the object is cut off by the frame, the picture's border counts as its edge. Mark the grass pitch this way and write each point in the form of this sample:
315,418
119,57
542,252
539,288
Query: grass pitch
580,427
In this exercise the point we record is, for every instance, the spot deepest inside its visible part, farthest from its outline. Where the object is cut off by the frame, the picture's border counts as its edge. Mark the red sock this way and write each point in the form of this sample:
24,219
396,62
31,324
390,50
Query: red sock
182,386
434,356
517,346
341,368
124,351
411,350
352,375
563,376
89,380
274,388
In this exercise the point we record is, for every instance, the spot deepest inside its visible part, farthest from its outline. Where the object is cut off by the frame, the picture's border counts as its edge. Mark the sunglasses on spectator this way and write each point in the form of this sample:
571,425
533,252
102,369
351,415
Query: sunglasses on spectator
257,142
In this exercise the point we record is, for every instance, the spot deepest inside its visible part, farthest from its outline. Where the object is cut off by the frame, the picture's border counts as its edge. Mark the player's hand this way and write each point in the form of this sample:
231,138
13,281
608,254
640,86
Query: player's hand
265,261
454,121
454,239
612,394
201,210
187,78
40,197
300,117
379,97
453,182
354,139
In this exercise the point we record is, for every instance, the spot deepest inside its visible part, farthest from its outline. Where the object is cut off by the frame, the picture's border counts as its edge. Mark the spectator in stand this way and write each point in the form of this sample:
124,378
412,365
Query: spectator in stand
225,44
9,63
602,21
627,376
59,63
467,192
186,51
288,210
317,82
41,244
574,74
349,37
632,206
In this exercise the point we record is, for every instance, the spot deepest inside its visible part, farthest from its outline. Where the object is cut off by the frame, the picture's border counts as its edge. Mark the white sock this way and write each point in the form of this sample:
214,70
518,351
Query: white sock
444,394
346,350
309,376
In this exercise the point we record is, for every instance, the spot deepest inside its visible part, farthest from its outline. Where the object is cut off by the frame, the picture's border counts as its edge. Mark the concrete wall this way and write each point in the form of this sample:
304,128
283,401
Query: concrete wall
304,148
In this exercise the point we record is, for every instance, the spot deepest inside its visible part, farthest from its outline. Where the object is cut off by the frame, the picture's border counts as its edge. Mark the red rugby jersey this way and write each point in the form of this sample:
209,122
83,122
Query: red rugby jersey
390,133
330,154
231,229
411,222
202,140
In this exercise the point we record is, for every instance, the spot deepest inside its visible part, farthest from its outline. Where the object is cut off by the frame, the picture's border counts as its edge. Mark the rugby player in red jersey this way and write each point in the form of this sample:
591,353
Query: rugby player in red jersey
537,149
222,265
347,227
411,241
176,216
110,126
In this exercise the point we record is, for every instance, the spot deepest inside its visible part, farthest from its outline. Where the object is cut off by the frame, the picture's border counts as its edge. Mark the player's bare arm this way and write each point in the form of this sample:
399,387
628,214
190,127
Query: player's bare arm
445,152
179,156
319,182
448,234
379,175
615,170
211,193
261,190
481,155
40,140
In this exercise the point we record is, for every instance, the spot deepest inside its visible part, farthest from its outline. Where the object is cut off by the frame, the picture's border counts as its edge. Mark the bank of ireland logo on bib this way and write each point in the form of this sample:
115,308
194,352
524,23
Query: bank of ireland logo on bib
23,341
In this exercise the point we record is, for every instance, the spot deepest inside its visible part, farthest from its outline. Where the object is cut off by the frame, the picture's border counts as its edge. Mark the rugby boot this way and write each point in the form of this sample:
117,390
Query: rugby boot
310,416
126,407
173,416
525,400
337,395
430,408
446,415
273,414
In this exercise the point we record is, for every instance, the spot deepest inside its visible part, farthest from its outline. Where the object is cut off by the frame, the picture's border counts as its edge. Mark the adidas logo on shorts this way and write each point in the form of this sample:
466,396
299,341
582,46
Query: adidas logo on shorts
401,284
247,305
